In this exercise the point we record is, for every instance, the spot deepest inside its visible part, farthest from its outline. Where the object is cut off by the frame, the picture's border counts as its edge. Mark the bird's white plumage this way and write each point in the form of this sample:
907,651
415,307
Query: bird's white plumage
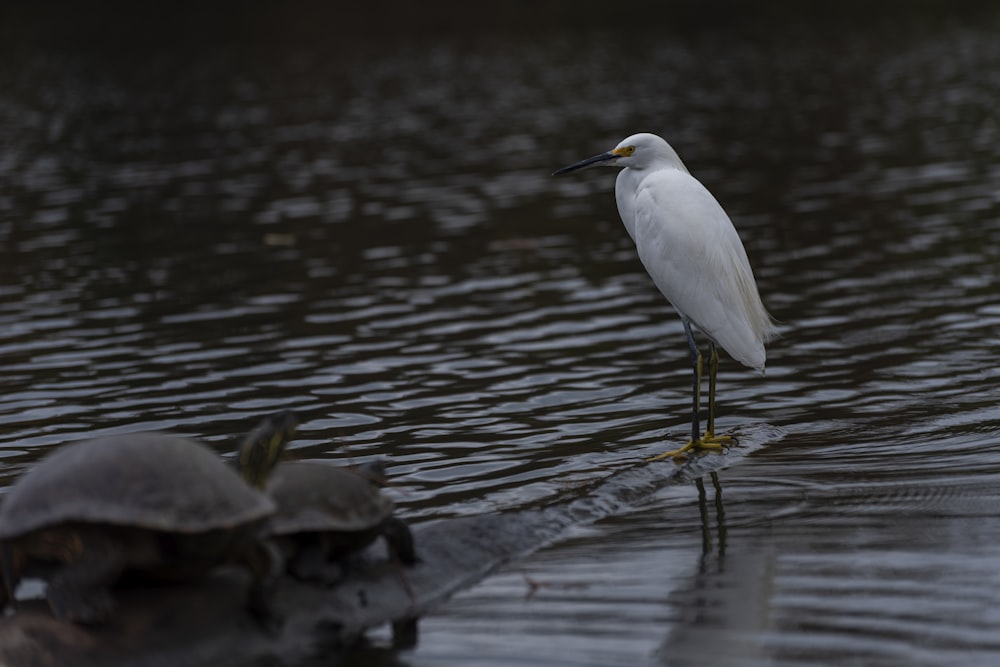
695,257
690,248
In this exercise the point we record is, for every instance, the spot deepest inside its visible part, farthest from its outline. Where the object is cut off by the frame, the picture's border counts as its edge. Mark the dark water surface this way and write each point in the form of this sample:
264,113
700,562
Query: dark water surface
367,231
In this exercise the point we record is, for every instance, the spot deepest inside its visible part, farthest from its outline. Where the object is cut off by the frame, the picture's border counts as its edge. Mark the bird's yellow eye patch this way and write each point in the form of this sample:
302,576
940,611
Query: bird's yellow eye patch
624,151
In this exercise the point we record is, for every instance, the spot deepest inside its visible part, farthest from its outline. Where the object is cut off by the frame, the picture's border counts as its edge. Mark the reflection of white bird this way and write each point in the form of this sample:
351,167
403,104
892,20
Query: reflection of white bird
694,256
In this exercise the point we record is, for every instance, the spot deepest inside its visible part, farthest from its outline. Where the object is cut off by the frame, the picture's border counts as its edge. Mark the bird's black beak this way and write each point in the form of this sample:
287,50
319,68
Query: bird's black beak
589,162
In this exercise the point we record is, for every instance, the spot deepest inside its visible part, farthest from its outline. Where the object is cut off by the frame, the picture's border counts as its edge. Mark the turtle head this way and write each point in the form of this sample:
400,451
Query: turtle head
374,472
264,446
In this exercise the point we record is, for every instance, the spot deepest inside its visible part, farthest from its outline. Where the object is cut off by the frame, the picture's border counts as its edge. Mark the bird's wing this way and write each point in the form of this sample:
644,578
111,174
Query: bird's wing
696,258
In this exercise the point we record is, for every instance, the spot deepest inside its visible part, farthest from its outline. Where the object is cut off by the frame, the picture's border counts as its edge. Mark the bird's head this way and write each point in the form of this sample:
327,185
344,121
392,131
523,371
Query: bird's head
639,151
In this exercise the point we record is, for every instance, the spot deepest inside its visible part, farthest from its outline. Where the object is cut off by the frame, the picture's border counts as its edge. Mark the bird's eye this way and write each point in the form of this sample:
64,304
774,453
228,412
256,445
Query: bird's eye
625,151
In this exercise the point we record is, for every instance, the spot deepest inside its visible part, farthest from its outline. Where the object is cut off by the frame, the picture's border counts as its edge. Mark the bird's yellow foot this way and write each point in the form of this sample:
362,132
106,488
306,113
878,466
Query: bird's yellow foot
676,454
712,441
709,441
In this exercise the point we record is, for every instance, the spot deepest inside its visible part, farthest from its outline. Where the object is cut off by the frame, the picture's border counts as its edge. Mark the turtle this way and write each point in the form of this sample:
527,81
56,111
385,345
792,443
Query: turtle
150,504
325,513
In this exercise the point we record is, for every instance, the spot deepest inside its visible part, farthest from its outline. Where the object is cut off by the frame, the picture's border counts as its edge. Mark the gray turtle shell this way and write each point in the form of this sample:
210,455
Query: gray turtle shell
149,480
314,497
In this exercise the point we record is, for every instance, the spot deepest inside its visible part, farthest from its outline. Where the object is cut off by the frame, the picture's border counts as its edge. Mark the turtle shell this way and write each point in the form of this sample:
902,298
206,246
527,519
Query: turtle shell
314,497
149,480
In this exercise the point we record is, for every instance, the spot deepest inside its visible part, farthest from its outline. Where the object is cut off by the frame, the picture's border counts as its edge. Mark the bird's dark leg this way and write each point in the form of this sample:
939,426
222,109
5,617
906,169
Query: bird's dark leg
696,367
696,364
710,440
713,368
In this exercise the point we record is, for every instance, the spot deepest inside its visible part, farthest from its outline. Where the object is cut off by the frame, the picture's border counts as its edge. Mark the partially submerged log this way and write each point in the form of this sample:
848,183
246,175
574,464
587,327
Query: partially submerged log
205,622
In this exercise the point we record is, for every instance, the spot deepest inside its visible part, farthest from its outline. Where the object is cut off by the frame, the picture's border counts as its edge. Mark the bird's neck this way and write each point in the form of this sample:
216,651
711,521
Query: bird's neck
625,187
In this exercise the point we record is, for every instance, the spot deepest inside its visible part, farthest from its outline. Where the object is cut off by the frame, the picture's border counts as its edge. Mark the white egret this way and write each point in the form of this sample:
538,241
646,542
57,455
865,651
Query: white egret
696,259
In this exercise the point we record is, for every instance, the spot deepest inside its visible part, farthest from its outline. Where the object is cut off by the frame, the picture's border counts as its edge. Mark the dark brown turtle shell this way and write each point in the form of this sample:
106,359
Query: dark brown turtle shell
313,497
148,480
